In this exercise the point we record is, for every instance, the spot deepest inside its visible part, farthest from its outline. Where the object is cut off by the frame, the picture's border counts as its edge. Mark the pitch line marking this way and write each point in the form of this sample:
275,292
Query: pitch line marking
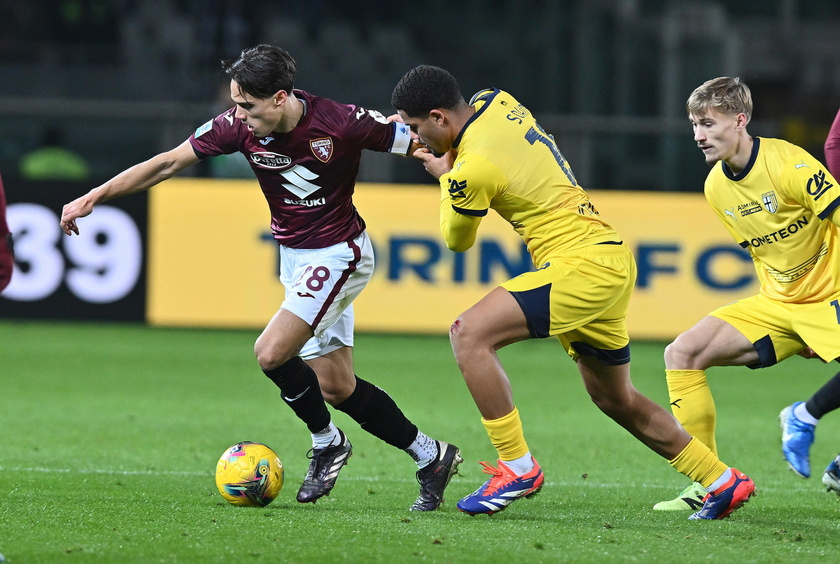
344,478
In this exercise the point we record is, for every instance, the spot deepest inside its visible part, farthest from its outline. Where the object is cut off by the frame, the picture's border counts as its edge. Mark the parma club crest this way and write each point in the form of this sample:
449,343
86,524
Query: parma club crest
768,199
322,148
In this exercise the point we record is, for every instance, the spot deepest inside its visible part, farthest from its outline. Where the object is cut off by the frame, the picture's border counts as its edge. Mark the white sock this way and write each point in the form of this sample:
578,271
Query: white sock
801,412
329,436
424,450
725,477
521,465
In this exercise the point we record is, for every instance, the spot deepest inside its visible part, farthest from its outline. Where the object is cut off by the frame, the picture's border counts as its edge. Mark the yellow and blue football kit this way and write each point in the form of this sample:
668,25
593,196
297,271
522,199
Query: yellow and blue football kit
780,208
581,288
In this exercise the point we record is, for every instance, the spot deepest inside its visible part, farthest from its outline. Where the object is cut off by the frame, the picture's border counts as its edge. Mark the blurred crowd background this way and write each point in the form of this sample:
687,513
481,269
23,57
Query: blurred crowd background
90,87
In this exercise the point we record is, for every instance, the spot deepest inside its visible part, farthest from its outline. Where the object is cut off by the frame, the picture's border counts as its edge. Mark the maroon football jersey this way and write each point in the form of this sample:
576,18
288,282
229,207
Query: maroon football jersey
6,259
308,174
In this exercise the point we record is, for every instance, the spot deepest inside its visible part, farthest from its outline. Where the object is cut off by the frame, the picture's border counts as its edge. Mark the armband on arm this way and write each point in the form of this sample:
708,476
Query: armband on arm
402,139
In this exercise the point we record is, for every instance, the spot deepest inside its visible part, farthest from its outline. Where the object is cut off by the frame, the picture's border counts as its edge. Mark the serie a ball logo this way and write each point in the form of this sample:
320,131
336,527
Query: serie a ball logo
249,474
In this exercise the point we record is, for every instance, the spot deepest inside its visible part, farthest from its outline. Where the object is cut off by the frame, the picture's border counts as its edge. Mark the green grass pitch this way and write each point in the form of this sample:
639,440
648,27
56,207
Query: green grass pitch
109,436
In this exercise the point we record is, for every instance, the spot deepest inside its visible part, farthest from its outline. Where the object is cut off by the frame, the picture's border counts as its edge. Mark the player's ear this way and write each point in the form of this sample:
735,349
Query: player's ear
437,116
280,97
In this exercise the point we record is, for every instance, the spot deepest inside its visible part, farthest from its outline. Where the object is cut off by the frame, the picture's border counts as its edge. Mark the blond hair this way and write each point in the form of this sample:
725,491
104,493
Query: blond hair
724,94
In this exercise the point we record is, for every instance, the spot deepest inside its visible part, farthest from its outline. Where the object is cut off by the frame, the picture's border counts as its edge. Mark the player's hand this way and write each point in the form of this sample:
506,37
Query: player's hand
416,145
80,207
808,352
435,165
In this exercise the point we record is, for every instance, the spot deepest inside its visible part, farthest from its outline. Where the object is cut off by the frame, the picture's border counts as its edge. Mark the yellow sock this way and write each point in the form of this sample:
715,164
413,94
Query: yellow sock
507,436
692,404
699,463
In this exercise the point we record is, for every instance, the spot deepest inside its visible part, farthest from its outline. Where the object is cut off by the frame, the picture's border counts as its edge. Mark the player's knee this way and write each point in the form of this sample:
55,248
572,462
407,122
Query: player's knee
269,357
614,399
608,402
455,329
456,333
464,336
469,327
681,354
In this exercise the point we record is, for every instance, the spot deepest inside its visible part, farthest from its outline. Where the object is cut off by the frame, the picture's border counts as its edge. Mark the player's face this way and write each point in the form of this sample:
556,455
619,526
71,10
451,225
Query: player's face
261,115
717,134
429,131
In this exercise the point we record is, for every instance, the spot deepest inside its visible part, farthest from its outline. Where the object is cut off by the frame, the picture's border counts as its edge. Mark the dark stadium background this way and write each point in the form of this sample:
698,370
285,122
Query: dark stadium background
124,79
117,81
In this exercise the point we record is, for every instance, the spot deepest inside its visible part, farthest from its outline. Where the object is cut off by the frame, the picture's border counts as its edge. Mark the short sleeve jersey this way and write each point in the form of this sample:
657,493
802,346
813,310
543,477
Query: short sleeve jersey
778,208
507,162
308,175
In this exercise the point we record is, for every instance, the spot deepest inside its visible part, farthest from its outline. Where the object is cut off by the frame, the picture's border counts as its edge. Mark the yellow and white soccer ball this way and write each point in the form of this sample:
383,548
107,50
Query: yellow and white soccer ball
249,474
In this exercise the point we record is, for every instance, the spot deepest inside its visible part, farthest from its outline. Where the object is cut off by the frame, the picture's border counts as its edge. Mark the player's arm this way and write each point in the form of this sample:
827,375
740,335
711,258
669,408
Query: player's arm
806,181
467,189
140,177
459,230
832,147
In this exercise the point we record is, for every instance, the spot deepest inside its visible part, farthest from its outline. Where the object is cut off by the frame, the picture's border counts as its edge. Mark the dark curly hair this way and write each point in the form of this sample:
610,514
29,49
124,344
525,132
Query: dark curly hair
262,71
426,88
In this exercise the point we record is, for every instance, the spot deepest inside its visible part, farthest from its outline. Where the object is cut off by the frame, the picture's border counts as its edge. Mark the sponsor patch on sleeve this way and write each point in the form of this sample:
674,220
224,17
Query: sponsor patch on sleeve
203,129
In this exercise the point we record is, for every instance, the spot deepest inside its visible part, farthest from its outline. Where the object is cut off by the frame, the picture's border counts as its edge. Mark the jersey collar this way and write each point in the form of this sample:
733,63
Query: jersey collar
485,96
743,174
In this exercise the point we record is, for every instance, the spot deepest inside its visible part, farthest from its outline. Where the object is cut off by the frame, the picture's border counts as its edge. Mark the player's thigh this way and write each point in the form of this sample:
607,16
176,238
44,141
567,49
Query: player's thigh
496,320
768,325
710,342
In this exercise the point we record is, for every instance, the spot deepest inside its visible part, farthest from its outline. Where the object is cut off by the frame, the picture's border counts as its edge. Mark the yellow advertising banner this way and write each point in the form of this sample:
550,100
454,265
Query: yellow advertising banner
212,260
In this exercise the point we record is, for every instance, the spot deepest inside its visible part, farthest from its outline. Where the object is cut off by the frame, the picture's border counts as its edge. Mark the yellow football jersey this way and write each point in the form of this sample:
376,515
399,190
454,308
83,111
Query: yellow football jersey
779,208
507,162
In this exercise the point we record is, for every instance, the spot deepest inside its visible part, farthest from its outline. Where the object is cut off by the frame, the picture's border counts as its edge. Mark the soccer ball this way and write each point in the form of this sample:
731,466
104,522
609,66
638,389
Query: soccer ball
249,474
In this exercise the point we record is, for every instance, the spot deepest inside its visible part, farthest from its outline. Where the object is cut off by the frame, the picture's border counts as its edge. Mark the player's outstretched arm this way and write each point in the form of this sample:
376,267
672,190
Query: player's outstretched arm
140,177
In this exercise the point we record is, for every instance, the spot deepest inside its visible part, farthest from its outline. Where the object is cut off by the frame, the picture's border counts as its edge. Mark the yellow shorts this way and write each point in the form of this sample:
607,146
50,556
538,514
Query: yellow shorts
779,330
582,299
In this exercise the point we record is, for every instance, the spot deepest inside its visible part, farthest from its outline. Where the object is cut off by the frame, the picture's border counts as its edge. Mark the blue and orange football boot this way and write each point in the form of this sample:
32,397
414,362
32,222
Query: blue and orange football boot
723,501
502,489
